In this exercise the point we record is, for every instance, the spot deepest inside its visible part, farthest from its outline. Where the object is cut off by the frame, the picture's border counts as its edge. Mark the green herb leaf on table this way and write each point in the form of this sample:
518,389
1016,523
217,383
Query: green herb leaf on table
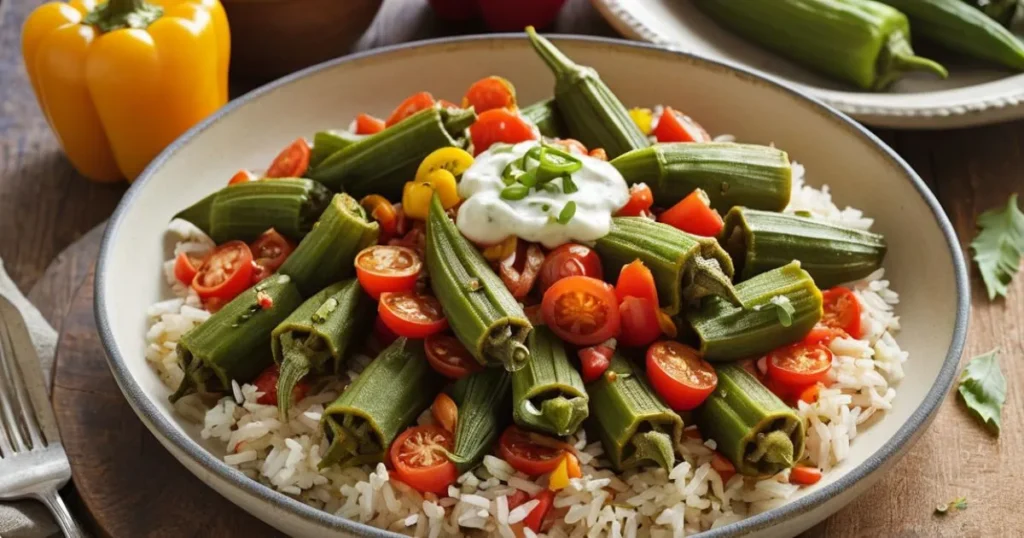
998,247
958,504
983,389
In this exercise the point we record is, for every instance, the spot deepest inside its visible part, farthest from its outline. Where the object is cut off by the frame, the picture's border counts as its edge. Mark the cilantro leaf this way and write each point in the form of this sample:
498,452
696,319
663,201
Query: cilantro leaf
983,389
998,246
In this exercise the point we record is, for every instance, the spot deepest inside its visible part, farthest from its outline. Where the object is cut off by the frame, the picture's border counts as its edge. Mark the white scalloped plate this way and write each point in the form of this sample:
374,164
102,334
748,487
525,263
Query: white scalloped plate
972,95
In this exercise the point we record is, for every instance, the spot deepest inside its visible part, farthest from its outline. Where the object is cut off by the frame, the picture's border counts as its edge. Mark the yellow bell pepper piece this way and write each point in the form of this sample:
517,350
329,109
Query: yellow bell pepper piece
416,195
118,81
643,118
454,160
502,250
559,478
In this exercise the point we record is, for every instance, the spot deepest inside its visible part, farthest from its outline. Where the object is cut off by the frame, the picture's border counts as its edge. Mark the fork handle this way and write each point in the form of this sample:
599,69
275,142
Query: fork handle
60,512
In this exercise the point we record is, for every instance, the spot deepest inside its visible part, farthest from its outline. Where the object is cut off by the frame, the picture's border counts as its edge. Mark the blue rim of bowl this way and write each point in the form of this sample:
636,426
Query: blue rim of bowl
894,446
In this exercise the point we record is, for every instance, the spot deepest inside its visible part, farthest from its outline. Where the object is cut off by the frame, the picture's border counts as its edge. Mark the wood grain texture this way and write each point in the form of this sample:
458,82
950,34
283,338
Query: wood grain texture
45,206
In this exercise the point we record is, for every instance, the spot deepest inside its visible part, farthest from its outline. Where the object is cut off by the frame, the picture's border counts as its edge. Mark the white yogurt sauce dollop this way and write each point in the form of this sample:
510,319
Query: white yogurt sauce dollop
486,218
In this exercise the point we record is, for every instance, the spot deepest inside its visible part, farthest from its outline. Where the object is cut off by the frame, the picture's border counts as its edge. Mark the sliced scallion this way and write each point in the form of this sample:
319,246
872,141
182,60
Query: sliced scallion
568,212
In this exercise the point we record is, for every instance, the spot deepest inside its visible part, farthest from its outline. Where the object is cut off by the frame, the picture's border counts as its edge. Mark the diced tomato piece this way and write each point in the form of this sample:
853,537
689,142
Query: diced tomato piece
368,125
412,104
594,361
842,310
723,466
694,215
674,126
805,476
293,161
242,176
266,383
490,93
536,516
640,201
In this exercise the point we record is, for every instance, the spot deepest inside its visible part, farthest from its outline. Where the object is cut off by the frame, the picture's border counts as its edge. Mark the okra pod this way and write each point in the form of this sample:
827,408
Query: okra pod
234,343
544,114
685,267
635,427
327,253
862,42
548,393
965,29
592,113
318,335
729,332
732,174
1001,11
751,426
480,310
326,143
383,163
246,210
482,400
760,241
386,397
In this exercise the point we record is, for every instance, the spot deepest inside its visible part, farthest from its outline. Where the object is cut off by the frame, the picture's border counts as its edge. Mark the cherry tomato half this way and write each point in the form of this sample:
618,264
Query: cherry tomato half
500,125
266,383
412,104
674,126
639,319
411,314
225,273
185,268
387,268
269,251
242,176
842,310
367,124
679,375
581,310
805,476
420,458
640,201
517,447
490,93
568,260
822,334
293,161
449,357
799,365
694,215
519,271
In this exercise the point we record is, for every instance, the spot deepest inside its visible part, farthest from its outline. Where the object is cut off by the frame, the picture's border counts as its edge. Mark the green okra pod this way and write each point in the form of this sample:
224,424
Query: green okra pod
760,241
752,427
326,143
327,254
862,42
635,427
548,393
386,397
685,267
318,335
482,400
750,175
480,310
544,114
384,162
234,343
728,332
1001,11
592,113
246,210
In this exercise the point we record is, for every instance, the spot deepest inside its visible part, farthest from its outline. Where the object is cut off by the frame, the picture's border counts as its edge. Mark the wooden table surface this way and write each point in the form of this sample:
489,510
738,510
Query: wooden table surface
45,207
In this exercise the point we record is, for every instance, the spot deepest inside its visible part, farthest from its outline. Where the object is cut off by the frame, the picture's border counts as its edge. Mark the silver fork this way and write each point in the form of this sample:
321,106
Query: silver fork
32,460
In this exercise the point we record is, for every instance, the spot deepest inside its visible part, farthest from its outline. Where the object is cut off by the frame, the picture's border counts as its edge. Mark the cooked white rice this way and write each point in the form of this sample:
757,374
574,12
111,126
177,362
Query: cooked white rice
650,502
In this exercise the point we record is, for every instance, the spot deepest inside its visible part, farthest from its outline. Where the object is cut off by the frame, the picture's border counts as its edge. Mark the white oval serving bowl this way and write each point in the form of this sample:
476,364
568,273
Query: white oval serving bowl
924,262
974,93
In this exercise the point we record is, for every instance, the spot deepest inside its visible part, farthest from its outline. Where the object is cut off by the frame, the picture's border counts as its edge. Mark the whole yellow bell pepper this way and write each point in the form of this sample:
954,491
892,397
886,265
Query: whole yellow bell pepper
119,81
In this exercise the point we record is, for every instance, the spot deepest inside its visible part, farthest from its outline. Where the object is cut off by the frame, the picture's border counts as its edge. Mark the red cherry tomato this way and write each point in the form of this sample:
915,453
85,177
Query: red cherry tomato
799,365
568,260
368,125
581,310
384,213
490,93
242,176
636,280
694,215
185,268
821,334
269,251
449,357
420,458
674,126
506,16
293,161
386,268
842,310
639,318
536,516
225,273
640,201
679,375
266,383
500,125
594,362
412,104
520,449
455,10
519,271
411,314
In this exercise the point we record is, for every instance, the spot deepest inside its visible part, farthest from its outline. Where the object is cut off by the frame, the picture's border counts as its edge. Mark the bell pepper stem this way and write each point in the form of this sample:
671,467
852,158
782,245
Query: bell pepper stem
118,14
897,57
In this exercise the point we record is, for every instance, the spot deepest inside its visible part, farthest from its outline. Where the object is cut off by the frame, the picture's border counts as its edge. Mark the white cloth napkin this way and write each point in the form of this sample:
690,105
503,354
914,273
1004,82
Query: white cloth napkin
29,519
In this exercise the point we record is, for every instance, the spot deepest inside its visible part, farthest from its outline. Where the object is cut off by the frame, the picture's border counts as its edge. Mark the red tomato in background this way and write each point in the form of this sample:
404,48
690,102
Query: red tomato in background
513,16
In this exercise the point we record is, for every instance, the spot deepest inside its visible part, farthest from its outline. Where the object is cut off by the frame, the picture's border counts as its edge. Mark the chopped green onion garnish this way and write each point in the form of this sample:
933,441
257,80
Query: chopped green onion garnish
568,212
529,178
516,191
545,208
568,185
550,187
